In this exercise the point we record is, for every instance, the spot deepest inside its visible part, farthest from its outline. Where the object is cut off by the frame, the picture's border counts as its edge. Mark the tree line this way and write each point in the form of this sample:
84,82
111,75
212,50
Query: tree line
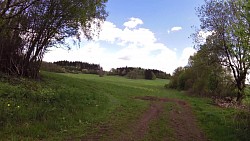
79,67
139,73
204,76
28,28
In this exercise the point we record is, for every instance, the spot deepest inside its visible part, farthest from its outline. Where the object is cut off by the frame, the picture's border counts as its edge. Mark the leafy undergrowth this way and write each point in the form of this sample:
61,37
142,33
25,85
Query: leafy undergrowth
77,106
219,123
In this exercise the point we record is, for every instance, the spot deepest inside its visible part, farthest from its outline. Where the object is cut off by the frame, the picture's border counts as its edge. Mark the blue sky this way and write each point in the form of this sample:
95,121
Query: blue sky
140,33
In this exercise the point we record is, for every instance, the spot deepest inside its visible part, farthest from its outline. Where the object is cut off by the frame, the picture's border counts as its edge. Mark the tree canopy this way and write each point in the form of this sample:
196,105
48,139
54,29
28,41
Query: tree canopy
203,76
28,28
228,23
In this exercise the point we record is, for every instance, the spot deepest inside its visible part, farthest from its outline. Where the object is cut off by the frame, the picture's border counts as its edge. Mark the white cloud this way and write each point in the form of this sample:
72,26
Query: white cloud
202,35
91,52
186,53
133,22
109,32
139,36
135,47
176,28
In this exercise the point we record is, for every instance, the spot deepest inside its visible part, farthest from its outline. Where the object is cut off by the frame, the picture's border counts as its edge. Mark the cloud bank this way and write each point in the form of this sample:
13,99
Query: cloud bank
131,46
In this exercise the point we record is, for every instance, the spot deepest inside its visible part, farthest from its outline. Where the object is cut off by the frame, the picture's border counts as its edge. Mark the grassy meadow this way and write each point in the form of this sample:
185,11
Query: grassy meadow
80,106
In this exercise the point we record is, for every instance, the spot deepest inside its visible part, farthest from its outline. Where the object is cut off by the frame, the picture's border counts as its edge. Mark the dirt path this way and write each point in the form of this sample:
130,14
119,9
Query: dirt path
142,124
182,122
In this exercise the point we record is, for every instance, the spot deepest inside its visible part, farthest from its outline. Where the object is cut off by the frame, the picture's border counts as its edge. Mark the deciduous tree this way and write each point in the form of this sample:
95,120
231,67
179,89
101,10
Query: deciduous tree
228,21
30,28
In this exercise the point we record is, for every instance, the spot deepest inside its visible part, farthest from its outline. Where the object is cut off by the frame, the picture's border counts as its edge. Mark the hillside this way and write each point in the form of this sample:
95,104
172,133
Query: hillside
89,107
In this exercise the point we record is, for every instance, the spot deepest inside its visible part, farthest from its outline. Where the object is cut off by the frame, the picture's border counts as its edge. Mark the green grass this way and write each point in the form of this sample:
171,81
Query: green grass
76,106
220,123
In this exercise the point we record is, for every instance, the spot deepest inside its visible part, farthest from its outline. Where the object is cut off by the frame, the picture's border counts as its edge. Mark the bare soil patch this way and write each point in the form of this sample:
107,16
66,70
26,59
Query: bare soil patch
182,120
141,126
184,123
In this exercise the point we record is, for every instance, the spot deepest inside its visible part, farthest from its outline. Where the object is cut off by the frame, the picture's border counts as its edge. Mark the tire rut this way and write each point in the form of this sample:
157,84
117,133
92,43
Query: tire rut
141,126
182,121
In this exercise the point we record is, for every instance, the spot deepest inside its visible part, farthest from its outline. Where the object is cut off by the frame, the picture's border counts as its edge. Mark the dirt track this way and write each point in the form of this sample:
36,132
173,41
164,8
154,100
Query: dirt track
182,122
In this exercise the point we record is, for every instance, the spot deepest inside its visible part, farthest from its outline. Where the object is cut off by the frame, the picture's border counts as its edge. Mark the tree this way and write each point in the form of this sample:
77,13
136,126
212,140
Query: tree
203,76
30,28
174,79
133,74
229,26
209,77
149,74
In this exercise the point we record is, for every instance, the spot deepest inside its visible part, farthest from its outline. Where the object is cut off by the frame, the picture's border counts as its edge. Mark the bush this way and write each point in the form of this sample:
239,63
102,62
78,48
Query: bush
174,79
181,81
149,75
153,75
101,73
135,74
51,67
200,87
132,75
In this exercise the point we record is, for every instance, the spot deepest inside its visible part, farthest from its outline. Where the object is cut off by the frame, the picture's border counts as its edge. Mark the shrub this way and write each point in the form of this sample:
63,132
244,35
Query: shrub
174,79
135,74
132,75
181,81
149,75
153,75
101,73
51,67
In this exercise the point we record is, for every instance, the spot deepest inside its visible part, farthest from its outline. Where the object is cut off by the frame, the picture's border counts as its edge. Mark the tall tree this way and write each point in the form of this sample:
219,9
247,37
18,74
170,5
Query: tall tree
230,28
32,27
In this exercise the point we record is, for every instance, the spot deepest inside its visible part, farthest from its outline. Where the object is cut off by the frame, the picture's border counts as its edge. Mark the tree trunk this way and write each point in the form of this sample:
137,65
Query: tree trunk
241,90
240,96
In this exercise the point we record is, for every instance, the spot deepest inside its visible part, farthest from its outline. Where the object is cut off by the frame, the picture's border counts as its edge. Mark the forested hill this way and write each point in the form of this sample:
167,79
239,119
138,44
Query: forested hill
79,67
84,67
78,64
139,72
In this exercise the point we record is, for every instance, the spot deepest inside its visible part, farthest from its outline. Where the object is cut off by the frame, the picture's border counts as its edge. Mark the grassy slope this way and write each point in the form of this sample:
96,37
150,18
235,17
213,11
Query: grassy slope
72,106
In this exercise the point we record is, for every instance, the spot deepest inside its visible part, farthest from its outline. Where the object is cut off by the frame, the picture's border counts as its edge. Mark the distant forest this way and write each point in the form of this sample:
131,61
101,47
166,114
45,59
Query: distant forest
87,68
79,67
134,73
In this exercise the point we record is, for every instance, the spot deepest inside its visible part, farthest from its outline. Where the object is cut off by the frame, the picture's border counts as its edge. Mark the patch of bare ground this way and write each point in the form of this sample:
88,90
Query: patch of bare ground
141,126
229,102
182,122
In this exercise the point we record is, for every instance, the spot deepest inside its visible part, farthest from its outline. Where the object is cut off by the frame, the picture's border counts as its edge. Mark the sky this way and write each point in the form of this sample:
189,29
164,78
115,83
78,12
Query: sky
152,34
